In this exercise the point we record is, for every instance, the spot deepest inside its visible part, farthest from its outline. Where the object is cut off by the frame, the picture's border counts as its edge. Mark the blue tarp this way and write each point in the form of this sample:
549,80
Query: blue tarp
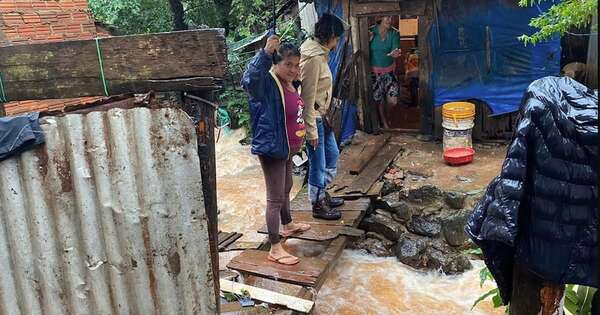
476,53
335,62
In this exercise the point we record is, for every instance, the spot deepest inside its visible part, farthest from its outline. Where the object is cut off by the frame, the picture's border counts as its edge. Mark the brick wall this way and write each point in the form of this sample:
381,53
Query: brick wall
35,21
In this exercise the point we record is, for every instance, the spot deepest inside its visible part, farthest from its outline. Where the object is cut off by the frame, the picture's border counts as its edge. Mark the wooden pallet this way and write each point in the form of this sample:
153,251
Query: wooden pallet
225,239
254,262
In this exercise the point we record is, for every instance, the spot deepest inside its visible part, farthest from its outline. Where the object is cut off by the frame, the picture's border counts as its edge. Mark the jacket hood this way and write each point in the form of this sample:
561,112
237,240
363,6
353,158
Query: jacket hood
311,48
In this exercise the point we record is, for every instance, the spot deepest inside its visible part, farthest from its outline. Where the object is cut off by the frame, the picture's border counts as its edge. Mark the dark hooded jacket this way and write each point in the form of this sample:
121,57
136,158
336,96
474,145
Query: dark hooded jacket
542,209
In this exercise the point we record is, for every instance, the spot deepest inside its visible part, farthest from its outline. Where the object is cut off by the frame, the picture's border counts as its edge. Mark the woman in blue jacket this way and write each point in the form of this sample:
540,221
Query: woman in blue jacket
278,133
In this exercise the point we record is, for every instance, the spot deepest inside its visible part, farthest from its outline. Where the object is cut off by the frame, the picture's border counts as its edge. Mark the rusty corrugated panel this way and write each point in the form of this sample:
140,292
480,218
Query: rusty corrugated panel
106,218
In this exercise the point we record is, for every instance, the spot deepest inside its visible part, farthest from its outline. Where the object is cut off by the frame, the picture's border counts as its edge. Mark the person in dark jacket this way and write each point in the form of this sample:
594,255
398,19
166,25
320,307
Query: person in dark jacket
278,133
541,212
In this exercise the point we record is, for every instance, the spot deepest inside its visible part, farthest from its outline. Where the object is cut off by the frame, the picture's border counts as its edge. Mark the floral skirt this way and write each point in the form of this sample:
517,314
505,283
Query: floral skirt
385,85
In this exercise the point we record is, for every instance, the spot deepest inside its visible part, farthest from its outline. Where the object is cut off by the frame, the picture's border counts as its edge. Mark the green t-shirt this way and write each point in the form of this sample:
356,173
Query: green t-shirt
379,48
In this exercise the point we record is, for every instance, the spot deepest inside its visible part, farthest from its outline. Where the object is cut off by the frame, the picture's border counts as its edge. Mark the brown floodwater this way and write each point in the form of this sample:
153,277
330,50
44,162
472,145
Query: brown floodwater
360,283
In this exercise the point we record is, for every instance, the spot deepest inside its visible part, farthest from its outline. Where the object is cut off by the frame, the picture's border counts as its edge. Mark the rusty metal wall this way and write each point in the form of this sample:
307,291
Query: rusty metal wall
106,218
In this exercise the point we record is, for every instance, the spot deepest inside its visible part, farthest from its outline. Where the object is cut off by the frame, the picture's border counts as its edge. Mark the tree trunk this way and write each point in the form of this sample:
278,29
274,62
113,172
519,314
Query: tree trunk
178,15
223,9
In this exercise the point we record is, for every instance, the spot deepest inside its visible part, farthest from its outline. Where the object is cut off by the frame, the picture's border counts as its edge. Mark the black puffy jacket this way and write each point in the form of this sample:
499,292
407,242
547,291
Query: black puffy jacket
542,209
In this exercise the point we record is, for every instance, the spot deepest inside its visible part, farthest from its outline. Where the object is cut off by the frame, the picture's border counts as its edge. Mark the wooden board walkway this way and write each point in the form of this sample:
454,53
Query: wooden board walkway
255,262
225,239
310,274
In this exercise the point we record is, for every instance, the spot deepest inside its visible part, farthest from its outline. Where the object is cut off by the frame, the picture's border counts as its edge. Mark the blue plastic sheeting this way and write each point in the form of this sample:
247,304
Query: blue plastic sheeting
476,53
348,121
335,62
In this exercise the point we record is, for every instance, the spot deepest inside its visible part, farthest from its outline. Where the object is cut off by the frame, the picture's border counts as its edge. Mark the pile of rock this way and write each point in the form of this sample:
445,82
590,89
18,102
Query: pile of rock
422,226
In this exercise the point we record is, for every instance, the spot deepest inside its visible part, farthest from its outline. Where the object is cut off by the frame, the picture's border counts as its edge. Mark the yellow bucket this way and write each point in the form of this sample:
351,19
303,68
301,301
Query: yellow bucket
458,110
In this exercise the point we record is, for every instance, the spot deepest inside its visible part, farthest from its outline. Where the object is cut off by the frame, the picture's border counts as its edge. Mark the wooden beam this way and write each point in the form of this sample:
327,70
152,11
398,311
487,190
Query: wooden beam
425,71
176,61
372,147
270,297
370,114
255,262
364,9
375,168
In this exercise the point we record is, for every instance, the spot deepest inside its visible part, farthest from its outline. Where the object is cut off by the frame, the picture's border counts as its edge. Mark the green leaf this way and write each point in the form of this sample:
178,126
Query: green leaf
485,296
497,300
585,295
473,251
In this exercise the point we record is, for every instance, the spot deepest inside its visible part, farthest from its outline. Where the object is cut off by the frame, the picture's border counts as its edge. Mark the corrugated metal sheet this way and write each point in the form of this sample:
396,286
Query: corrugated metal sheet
107,218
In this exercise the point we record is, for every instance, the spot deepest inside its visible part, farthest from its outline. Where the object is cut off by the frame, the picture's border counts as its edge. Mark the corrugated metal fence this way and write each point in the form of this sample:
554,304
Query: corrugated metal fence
107,218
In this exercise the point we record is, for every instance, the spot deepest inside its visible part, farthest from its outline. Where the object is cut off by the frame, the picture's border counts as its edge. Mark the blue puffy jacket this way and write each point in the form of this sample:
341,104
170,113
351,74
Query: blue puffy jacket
542,209
267,110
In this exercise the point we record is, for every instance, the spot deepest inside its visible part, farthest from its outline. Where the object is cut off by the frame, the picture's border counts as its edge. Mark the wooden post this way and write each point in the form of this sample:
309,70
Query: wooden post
532,295
370,113
425,69
205,130
2,112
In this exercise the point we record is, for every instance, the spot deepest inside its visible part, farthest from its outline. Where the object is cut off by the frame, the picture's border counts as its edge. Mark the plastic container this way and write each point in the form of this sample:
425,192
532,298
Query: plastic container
458,122
459,156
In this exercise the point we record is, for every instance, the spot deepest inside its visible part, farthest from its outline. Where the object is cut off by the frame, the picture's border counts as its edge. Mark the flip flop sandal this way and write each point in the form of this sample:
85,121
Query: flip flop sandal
302,228
280,260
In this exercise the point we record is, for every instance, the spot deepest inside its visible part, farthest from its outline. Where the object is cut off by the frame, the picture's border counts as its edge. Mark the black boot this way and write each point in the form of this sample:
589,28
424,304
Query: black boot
333,202
321,210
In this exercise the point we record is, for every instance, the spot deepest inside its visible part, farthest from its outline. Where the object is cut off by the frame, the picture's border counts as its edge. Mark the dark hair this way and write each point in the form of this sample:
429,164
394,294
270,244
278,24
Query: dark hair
328,27
286,50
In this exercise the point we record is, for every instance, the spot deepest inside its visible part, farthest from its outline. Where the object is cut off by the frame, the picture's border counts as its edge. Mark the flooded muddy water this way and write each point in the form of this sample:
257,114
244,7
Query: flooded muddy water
360,283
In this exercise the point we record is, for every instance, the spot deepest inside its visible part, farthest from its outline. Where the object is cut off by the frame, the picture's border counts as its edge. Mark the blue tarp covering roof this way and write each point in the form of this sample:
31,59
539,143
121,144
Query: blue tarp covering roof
476,53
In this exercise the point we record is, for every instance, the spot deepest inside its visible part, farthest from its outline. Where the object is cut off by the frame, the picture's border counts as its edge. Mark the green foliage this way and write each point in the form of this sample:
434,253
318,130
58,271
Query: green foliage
578,299
235,102
134,16
559,19
494,294
473,251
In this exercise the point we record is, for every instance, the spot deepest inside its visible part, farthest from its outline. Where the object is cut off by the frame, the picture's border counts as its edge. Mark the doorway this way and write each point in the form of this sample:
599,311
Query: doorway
404,111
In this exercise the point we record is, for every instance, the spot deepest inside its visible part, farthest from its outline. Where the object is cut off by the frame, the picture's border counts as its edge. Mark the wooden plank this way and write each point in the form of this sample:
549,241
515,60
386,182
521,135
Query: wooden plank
222,236
376,189
363,9
349,218
375,168
301,203
205,131
176,61
243,245
425,70
322,232
234,237
372,147
255,262
270,297
371,119
235,308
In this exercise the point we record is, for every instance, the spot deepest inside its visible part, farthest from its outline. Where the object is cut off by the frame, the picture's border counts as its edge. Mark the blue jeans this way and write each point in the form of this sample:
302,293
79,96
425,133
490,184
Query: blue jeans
323,163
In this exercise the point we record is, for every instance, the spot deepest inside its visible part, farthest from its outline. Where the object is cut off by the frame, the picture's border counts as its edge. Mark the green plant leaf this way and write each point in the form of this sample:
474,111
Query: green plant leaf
473,251
485,296
497,300
484,274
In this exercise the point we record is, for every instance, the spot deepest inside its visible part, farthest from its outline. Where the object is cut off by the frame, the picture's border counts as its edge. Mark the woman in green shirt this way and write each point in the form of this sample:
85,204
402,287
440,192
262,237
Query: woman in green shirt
384,47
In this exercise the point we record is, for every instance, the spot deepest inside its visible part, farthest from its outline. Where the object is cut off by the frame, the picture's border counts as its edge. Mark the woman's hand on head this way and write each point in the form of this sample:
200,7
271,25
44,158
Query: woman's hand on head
272,44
